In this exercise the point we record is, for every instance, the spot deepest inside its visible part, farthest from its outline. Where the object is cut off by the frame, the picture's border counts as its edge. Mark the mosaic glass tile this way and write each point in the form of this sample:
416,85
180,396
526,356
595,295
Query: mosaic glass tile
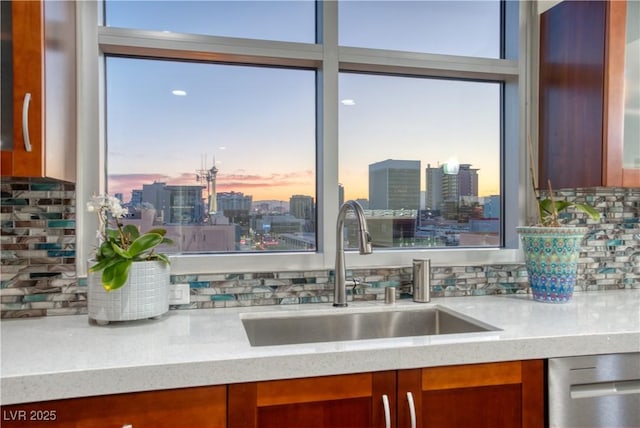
61,223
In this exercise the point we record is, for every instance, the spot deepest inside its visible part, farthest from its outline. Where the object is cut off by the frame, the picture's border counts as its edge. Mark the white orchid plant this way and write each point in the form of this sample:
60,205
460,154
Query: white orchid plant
121,245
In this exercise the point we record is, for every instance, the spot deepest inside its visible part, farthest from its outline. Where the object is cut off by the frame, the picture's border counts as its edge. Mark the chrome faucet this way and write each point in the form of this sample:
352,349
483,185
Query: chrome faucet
340,289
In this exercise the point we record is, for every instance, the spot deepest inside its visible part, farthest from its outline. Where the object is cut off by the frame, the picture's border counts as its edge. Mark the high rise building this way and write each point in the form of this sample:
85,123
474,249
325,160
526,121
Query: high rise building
444,191
136,198
174,204
433,184
233,201
467,180
456,186
184,205
394,185
301,206
155,195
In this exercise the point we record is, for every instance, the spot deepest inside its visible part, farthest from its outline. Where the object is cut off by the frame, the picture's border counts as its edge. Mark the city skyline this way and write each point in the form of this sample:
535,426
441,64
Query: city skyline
254,185
397,214
423,179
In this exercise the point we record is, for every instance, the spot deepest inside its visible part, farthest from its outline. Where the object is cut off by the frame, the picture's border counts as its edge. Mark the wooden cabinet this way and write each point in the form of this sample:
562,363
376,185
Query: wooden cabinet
509,395
581,95
354,400
492,395
44,96
199,407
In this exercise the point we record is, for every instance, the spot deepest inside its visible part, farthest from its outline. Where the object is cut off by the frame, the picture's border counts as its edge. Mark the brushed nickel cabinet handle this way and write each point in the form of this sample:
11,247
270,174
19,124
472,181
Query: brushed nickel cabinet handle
387,411
412,409
25,121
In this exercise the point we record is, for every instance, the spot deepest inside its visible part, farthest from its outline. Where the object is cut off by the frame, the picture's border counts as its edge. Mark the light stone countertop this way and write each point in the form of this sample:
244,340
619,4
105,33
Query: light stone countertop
63,357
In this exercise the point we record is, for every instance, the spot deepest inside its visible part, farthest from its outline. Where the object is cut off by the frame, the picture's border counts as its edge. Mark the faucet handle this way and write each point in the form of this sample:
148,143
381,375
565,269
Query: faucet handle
365,243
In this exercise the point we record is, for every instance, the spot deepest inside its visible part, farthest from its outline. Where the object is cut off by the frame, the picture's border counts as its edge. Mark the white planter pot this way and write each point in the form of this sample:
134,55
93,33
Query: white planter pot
144,295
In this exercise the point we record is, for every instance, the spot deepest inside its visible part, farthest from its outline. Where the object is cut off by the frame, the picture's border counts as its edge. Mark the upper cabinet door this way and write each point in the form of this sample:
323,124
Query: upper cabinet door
582,94
631,155
43,143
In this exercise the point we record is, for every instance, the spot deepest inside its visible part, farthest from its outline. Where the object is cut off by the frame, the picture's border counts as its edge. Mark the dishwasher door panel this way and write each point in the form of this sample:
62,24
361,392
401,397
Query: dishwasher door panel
595,391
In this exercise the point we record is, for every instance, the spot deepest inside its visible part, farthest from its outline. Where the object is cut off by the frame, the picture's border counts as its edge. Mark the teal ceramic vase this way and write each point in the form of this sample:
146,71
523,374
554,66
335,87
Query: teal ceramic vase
551,256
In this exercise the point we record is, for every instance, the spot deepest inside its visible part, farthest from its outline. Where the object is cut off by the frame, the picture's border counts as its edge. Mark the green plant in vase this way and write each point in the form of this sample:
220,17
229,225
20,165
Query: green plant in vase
121,245
551,248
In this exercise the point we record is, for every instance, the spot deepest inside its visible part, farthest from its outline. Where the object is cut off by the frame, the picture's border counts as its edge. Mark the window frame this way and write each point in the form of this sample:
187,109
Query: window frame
96,41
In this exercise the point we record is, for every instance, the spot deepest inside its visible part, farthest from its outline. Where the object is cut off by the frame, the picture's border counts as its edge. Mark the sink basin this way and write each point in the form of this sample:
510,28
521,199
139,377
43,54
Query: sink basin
269,330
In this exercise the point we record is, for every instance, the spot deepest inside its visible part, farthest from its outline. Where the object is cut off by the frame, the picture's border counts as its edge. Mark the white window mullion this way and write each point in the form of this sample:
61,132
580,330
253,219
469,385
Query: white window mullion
328,130
397,62
158,44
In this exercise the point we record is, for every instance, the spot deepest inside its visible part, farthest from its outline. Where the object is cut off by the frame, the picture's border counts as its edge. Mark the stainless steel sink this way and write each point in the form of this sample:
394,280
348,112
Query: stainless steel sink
268,330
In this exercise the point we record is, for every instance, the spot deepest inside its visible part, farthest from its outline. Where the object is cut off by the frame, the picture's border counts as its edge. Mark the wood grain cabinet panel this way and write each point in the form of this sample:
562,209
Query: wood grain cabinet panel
44,79
581,95
495,395
492,395
198,407
353,400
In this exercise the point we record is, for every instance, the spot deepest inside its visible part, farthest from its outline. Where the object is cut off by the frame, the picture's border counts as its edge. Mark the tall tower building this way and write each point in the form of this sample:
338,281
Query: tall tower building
468,180
456,186
301,206
155,195
209,175
184,205
394,184
136,198
433,184
211,183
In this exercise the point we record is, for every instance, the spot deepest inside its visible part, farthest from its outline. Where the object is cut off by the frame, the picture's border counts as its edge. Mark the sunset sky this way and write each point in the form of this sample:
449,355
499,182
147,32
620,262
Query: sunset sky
259,123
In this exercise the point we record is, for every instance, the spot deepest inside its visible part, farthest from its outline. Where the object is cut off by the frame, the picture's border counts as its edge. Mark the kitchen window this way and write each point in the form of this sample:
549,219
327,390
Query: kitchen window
313,103
282,20
462,27
208,141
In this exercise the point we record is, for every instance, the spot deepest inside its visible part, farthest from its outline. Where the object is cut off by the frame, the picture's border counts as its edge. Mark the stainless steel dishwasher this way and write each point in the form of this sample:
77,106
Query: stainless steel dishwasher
595,391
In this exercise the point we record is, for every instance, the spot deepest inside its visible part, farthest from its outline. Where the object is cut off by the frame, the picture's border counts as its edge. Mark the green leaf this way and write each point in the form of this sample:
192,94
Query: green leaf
120,252
105,263
113,235
562,205
159,231
131,231
144,243
589,210
546,210
115,276
105,251
163,258
545,207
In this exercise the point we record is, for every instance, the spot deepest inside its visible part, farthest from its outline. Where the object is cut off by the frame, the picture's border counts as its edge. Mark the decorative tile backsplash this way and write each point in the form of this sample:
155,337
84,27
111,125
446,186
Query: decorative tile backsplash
38,249
38,275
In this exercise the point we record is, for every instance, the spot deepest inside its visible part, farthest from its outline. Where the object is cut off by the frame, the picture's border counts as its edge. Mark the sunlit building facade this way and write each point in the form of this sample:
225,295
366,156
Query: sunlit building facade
394,185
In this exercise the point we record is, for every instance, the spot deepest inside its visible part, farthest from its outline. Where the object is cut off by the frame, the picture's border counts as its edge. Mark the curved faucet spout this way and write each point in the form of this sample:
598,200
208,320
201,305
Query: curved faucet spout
340,291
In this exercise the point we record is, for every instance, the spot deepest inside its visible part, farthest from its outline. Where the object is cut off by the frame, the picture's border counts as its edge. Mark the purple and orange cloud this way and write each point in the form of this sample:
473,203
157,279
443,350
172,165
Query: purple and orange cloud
272,186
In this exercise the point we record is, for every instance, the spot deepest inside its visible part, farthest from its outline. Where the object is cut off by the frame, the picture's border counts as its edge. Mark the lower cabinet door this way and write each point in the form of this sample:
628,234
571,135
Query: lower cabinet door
355,400
493,395
198,407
